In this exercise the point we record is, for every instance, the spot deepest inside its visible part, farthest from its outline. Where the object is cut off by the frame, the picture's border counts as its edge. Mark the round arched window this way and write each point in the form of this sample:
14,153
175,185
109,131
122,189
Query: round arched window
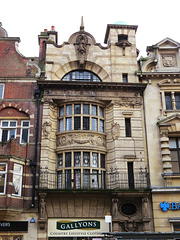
128,208
81,75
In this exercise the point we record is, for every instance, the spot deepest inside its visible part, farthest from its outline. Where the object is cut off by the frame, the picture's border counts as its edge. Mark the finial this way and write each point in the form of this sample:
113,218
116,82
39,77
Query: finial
82,24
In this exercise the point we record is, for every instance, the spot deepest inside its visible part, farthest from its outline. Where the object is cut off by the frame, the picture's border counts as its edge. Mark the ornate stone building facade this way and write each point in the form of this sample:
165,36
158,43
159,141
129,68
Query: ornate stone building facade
161,71
93,149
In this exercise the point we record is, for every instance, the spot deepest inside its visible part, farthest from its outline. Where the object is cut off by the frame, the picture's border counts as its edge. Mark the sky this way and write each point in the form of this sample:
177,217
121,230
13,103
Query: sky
156,20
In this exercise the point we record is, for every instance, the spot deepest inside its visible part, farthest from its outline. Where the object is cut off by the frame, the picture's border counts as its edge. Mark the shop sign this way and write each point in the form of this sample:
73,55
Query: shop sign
77,227
165,206
13,226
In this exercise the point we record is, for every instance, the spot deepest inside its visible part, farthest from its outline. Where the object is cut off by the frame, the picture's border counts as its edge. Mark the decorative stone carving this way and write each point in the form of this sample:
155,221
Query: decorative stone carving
80,138
128,103
169,60
115,130
130,225
115,208
46,128
145,209
82,43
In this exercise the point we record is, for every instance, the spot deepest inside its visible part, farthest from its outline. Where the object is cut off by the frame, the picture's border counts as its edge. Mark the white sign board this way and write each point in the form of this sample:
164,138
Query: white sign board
67,227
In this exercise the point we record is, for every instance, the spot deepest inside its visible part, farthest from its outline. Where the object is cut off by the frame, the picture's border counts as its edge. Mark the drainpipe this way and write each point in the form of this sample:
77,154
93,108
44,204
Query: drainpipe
33,163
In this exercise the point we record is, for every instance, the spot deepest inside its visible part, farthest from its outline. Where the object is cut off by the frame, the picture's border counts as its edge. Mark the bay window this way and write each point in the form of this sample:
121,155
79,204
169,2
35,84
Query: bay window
81,117
82,169
3,176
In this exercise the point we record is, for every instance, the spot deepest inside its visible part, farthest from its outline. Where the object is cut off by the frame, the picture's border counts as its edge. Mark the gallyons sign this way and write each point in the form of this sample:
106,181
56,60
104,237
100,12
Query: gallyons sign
76,227
71,225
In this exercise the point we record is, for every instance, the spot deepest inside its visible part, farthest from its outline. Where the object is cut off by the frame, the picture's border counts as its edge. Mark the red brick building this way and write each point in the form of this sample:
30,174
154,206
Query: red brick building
19,145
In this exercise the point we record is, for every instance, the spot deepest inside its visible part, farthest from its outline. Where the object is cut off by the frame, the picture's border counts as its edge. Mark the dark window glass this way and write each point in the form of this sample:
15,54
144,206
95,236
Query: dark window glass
128,209
102,161
130,175
125,77
128,127
174,146
85,123
4,135
168,101
68,179
77,123
68,159
86,159
77,179
60,160
177,100
77,159
122,37
77,109
86,178
85,108
25,135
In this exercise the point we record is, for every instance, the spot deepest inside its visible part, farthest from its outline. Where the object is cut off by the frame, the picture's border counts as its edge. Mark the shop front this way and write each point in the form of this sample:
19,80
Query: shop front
77,229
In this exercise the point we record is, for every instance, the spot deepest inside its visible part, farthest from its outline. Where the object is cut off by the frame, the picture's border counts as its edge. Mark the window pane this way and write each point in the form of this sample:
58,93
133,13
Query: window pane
94,124
17,179
12,124
4,135
68,179
68,159
102,161
60,160
168,101
68,124
61,125
101,112
95,179
25,135
177,100
25,124
101,126
86,159
1,90
77,179
77,123
172,143
12,133
128,127
77,109
125,77
86,180
2,183
94,110
77,159
5,124
59,180
85,108
174,161
95,160
69,110
85,123
61,111
16,185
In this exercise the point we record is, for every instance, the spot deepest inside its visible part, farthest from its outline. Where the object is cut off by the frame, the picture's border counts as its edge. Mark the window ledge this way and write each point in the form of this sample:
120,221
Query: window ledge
171,175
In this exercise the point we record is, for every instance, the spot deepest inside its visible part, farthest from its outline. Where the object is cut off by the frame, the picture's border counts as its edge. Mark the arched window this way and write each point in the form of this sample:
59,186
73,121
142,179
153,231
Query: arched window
82,76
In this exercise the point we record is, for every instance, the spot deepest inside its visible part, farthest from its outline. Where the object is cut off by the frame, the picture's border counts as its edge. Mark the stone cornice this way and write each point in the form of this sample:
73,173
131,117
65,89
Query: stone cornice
138,87
144,75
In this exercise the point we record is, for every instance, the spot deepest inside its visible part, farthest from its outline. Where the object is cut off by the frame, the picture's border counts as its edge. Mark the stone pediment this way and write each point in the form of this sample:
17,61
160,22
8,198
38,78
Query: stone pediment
167,43
172,123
